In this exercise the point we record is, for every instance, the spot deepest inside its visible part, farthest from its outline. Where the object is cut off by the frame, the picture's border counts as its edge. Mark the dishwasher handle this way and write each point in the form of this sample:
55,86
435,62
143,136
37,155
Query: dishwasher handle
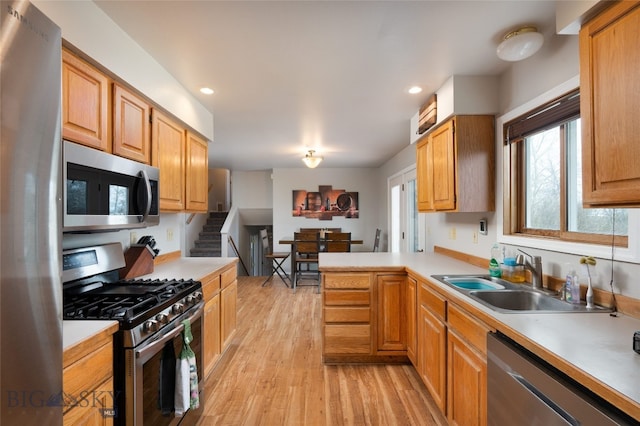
542,397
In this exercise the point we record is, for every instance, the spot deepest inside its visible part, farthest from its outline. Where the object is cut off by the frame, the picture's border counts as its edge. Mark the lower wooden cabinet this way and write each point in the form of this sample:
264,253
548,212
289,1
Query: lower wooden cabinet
451,356
220,292
228,308
412,319
467,383
211,348
432,344
391,314
87,382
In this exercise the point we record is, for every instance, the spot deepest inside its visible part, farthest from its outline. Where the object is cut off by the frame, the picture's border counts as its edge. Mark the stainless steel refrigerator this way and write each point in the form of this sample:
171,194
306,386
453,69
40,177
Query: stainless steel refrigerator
30,232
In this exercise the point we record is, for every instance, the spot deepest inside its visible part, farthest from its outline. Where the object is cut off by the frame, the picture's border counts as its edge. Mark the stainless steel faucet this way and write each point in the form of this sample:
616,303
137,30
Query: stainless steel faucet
534,264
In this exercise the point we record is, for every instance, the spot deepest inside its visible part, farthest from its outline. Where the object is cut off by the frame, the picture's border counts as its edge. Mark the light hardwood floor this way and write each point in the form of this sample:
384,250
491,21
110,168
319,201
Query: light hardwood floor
272,374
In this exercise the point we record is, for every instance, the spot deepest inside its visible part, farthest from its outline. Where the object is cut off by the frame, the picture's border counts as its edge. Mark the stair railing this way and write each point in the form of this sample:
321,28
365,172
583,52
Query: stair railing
233,244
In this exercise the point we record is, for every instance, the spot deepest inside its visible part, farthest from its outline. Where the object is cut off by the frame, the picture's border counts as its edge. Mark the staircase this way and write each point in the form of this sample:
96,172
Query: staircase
209,243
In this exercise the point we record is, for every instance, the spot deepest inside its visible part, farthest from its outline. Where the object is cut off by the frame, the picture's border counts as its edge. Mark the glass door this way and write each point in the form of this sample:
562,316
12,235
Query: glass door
405,225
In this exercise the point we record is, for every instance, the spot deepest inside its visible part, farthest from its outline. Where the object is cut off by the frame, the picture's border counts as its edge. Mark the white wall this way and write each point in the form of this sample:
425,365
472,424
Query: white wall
252,189
361,180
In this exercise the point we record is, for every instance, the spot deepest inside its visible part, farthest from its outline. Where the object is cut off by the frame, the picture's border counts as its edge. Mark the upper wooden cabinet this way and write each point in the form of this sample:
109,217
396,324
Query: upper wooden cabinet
131,127
168,146
424,164
609,104
455,166
197,174
86,103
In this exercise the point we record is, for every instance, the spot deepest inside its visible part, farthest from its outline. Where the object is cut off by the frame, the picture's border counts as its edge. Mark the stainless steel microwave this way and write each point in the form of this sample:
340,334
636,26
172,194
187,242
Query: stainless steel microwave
104,192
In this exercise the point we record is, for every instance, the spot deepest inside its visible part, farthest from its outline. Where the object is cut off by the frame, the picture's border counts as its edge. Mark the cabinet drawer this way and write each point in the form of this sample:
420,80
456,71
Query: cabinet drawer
356,281
341,298
228,276
433,301
210,287
347,339
88,373
347,314
471,329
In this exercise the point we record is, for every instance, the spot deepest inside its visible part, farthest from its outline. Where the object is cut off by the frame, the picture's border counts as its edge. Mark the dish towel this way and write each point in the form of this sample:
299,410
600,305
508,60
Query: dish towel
186,393
167,385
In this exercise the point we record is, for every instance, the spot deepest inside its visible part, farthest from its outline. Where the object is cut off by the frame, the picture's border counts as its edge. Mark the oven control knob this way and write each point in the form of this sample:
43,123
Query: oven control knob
162,318
178,308
198,295
190,300
150,326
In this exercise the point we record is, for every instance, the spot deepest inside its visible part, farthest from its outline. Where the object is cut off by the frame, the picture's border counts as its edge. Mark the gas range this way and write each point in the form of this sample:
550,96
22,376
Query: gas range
142,307
153,317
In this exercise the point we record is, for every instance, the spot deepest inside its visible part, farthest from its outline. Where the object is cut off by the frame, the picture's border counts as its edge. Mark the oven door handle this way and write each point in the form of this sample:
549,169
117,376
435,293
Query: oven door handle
155,346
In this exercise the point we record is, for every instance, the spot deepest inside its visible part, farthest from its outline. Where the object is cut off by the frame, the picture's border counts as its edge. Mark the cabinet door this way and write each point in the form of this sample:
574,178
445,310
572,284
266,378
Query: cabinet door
131,134
392,330
211,349
609,104
467,384
411,320
168,147
443,151
228,298
91,413
197,174
424,168
85,104
432,351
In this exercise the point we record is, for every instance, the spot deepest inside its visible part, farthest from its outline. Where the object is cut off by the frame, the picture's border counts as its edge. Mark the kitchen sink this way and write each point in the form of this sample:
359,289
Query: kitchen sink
507,297
474,283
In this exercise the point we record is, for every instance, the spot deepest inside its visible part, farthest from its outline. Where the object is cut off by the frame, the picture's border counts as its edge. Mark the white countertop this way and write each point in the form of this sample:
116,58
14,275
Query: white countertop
596,344
187,268
73,332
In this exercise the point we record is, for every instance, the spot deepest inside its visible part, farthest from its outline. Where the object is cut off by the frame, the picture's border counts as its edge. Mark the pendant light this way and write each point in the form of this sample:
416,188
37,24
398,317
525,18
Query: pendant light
311,161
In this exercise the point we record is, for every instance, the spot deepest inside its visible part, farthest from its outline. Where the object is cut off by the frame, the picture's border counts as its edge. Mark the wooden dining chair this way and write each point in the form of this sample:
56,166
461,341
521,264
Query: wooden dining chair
376,241
306,246
336,242
277,259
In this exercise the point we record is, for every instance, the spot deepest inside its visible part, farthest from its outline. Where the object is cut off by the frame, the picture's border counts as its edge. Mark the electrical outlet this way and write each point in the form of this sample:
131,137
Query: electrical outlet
475,237
169,234
452,233
133,237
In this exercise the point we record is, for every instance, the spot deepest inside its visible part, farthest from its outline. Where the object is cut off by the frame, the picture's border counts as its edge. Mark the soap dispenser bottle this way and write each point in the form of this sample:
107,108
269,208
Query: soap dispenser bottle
494,263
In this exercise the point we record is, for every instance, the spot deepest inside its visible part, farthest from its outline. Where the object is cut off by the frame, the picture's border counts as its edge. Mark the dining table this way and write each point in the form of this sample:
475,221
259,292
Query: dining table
291,240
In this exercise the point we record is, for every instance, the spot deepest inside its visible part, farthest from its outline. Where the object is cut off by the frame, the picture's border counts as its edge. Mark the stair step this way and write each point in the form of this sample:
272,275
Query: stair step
207,244
210,236
205,252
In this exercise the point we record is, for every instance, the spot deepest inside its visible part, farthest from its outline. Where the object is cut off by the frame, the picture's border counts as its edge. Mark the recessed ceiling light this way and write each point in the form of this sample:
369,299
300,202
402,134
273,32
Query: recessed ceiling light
206,91
415,90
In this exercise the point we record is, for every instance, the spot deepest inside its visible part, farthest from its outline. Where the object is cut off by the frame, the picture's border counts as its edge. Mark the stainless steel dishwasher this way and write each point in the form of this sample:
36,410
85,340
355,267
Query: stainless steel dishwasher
522,389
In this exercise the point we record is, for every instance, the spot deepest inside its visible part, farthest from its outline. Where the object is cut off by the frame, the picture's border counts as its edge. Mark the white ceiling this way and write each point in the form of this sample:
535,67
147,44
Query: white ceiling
326,75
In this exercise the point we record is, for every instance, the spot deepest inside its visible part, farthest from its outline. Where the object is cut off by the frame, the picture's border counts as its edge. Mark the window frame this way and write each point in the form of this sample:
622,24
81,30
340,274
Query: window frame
504,189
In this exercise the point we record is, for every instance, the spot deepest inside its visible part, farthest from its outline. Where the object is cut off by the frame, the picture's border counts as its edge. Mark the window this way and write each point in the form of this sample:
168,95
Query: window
543,180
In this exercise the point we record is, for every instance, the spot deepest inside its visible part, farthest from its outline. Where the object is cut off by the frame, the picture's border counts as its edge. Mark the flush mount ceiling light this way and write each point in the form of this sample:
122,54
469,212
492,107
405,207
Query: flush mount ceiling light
206,91
520,44
415,90
311,161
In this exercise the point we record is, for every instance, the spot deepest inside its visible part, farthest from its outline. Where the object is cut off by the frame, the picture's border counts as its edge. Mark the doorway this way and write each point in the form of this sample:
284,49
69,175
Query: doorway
406,227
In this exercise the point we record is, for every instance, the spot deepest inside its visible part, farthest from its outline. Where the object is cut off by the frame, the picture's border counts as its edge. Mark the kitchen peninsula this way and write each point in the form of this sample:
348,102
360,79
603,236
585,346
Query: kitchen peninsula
376,304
